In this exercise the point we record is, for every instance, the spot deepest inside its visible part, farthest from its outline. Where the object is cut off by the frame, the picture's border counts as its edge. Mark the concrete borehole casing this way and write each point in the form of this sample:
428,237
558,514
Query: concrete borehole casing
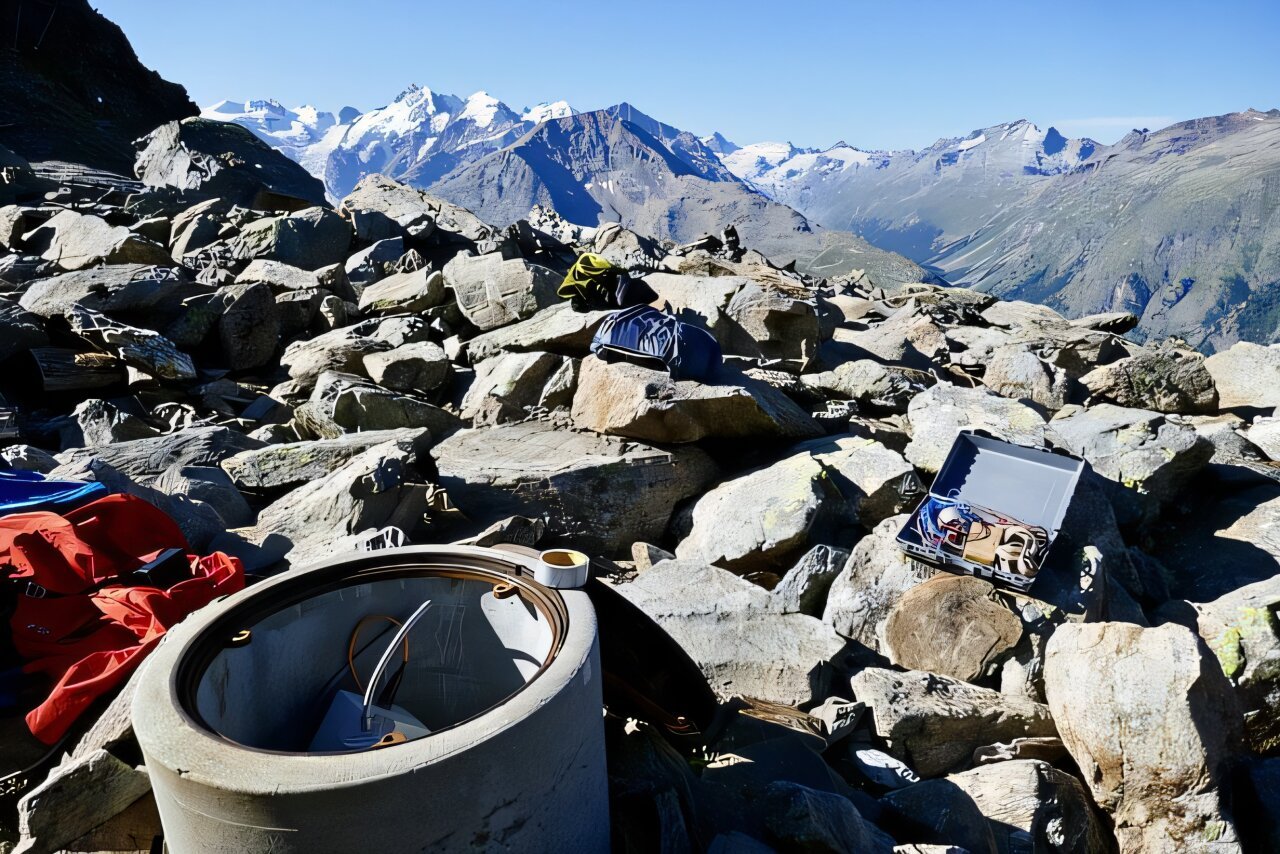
508,683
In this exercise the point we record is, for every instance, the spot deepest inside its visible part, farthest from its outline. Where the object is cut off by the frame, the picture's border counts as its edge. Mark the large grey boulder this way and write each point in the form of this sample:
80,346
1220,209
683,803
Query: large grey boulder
1032,806
413,291
624,247
292,464
345,403
143,459
907,338
75,798
956,625
873,579
370,264
798,818
76,241
1165,380
1242,630
1135,447
701,300
1246,375
1014,371
602,492
20,330
309,239
248,327
938,414
759,520
279,276
1152,723
940,811
934,723
865,473
737,633
508,387
377,488
1077,350
493,291
112,289
871,384
342,349
197,226
412,211
773,325
421,366
211,158
804,587
558,329
211,485
623,399
297,310
95,423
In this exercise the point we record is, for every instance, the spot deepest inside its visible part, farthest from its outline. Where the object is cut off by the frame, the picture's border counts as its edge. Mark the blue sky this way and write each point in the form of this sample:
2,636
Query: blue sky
884,74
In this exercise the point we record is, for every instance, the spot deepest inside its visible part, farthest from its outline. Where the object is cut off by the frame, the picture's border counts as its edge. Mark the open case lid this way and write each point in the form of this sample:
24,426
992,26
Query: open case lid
1032,485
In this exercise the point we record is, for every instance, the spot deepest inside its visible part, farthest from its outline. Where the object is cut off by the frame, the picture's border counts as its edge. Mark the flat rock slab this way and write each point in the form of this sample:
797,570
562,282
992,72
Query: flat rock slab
737,633
955,625
147,458
599,492
934,722
642,403
1246,375
293,464
558,329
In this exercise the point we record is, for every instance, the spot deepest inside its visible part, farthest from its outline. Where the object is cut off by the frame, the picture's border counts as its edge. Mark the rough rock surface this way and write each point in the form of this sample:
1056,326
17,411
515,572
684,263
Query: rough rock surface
583,484
493,292
1167,381
759,520
76,241
955,625
224,160
1134,707
1242,629
1247,375
873,580
1135,447
936,415
646,404
1033,806
936,722
737,634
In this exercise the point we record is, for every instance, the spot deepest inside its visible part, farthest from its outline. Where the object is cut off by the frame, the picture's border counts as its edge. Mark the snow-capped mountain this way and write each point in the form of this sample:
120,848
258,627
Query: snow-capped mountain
911,201
547,111
304,134
418,137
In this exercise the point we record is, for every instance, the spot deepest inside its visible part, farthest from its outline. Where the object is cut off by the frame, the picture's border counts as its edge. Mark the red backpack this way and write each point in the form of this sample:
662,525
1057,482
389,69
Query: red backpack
96,589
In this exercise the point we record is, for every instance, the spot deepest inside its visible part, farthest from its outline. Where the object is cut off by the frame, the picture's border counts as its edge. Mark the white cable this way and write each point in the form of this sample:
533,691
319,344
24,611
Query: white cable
366,716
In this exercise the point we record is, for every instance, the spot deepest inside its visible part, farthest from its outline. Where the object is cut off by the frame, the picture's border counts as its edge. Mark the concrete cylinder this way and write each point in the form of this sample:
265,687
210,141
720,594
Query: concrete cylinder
504,673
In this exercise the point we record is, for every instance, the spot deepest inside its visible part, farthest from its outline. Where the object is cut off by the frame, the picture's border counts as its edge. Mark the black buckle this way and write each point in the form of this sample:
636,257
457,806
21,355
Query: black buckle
35,591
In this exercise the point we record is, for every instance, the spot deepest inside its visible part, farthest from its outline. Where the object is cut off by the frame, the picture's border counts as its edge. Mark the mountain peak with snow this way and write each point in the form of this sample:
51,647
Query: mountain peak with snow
546,111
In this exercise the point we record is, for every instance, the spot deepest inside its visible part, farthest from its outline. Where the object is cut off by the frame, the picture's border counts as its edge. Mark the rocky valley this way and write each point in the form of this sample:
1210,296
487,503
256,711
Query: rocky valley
300,342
